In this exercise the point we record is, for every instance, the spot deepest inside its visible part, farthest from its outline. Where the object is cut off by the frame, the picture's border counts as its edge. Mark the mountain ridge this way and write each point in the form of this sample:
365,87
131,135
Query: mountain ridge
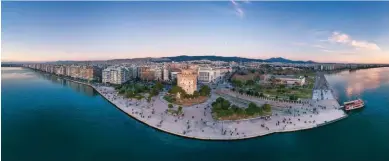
234,58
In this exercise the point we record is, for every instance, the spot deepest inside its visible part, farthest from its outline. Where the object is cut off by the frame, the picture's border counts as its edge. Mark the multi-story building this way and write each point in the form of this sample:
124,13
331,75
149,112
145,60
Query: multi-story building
116,75
75,71
187,80
133,71
165,74
68,71
208,75
90,73
62,70
174,72
57,70
146,73
158,73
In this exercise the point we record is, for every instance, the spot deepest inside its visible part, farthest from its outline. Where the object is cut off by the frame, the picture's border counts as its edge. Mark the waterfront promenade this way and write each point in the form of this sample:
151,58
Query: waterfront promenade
198,123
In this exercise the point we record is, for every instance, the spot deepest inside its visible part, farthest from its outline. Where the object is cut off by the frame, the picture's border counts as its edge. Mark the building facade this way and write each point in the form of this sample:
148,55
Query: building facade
116,75
187,80
208,75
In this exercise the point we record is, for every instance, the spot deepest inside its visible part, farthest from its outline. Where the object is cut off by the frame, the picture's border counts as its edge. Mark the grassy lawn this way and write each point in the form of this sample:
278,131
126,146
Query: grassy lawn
280,91
248,82
222,109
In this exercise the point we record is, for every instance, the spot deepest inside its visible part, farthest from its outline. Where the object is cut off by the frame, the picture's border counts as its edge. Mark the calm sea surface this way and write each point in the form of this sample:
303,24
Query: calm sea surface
44,118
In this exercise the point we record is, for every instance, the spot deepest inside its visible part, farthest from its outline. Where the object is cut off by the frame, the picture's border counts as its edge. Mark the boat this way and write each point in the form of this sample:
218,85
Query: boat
355,104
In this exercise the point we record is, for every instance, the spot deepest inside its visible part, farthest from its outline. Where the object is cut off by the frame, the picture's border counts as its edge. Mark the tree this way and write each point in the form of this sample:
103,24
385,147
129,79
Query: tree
253,109
180,109
196,94
226,104
261,95
170,105
235,108
159,86
256,94
205,90
176,89
250,82
236,83
266,107
220,99
122,91
293,97
129,94
252,105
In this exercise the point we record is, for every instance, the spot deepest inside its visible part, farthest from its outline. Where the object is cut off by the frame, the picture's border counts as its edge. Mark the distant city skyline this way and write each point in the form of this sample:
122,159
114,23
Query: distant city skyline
354,32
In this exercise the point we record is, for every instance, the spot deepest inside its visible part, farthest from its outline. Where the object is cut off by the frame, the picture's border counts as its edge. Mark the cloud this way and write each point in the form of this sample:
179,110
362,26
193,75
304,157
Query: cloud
343,38
318,46
238,9
364,45
339,37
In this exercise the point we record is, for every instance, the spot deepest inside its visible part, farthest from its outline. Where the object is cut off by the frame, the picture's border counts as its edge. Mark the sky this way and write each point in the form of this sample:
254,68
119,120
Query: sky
355,32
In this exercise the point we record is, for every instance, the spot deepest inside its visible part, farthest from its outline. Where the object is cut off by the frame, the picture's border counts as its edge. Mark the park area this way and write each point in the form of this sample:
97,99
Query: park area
222,109
250,84
139,90
178,96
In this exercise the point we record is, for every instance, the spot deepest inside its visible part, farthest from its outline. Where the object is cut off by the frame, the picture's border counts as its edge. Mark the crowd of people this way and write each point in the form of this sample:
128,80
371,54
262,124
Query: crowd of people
197,121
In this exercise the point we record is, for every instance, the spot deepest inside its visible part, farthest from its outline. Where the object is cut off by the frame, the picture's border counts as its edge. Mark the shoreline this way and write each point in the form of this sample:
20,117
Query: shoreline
173,131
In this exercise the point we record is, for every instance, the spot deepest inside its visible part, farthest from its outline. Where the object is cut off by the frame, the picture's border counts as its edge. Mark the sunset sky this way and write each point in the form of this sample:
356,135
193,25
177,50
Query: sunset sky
319,31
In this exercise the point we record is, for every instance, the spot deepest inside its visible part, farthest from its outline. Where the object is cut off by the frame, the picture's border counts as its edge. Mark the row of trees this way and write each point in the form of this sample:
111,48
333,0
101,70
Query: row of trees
281,89
223,108
136,90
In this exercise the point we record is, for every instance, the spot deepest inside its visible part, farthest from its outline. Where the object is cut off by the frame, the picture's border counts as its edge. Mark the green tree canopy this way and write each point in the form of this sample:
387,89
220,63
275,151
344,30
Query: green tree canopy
237,83
176,89
180,108
267,107
205,90
293,97
250,82
159,86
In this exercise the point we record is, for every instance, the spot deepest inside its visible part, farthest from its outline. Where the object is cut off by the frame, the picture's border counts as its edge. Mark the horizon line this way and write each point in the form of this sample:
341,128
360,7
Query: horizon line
91,60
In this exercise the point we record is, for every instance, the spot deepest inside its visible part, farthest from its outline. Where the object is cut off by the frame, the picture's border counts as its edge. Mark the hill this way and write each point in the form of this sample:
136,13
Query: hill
229,59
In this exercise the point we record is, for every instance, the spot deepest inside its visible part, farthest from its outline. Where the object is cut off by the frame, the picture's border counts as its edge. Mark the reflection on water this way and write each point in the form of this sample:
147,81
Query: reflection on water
8,73
89,91
359,81
14,73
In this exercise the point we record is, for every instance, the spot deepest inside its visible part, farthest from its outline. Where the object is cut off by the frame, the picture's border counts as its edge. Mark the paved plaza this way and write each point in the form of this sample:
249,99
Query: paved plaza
197,121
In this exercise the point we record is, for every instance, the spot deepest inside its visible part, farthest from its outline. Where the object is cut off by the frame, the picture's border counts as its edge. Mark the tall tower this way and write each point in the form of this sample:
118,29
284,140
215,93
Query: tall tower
187,80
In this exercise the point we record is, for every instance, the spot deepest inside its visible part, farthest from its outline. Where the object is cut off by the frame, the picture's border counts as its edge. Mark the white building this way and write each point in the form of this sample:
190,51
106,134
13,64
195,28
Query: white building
287,79
165,74
158,73
208,75
115,75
